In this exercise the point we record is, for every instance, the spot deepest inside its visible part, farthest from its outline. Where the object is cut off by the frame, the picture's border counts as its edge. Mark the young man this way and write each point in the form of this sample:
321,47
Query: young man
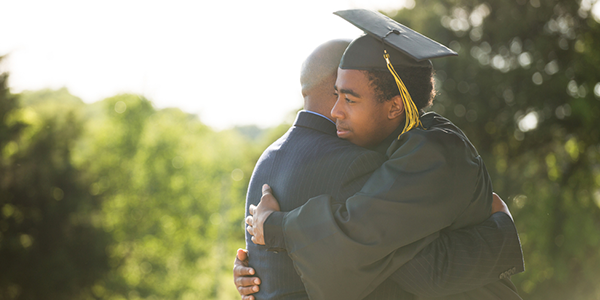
433,180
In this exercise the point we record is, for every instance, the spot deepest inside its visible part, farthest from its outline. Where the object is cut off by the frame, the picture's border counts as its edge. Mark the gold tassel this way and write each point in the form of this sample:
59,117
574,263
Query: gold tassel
410,109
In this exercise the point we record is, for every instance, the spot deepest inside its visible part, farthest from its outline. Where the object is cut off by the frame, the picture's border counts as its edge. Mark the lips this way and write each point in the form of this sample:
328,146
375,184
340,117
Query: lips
342,132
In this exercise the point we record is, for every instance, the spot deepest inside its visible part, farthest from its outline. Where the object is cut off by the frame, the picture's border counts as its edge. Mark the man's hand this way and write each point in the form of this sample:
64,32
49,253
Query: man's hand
268,204
499,205
245,284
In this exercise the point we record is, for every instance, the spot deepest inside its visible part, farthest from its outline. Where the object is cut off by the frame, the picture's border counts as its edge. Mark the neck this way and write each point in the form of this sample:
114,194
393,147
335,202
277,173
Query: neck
309,104
387,142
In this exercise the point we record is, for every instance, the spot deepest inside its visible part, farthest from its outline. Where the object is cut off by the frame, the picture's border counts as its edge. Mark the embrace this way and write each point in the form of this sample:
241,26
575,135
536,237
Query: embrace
368,196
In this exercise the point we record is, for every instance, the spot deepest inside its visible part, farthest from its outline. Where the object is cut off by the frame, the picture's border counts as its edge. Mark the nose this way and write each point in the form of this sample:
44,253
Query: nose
337,111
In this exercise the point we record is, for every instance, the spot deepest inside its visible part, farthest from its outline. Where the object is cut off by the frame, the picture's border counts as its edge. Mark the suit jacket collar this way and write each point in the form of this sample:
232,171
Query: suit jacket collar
315,122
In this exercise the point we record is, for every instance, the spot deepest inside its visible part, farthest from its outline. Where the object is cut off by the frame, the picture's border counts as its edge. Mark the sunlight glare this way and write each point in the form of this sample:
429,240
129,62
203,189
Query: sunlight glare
529,122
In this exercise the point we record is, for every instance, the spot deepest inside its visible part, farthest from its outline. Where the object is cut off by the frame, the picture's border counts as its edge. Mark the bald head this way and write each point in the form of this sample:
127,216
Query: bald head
318,74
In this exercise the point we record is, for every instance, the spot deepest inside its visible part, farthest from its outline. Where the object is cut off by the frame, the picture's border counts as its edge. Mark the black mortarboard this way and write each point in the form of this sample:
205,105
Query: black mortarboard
405,46
386,44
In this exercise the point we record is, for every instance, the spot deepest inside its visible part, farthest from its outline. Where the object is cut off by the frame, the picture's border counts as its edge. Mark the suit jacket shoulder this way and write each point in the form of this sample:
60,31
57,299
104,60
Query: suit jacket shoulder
308,160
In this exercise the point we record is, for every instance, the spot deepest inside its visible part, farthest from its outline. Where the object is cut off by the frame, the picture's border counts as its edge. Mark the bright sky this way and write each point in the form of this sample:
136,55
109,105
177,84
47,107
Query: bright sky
233,62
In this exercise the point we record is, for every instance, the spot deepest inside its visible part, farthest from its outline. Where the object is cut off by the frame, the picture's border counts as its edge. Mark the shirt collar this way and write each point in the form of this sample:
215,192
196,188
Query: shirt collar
318,114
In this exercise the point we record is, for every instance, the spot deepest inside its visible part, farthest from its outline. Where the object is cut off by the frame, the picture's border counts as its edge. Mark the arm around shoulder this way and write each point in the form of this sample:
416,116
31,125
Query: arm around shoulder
464,259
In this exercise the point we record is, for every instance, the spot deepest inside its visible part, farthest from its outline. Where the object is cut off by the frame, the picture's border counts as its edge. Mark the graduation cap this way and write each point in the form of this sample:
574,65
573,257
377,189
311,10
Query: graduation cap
387,43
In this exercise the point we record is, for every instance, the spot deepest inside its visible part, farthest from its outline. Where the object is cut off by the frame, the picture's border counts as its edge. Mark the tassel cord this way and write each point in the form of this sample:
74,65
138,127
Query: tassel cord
410,109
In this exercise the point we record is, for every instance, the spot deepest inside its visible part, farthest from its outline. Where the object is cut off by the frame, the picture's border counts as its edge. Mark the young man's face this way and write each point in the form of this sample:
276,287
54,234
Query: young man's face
361,118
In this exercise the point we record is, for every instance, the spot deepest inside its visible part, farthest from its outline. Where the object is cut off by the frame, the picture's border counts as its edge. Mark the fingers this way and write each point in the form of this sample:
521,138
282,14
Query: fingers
247,282
245,285
266,189
242,254
241,260
241,270
248,290
257,237
268,202
252,209
250,220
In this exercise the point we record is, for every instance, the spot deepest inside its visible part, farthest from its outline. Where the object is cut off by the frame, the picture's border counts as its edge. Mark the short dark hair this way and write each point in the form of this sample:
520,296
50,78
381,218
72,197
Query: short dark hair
418,81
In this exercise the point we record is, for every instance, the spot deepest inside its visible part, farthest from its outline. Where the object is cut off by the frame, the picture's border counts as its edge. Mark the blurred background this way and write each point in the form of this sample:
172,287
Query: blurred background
127,142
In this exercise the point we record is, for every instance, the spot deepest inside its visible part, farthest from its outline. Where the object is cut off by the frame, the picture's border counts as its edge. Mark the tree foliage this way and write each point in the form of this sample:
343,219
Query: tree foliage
525,88
170,186
49,246
118,200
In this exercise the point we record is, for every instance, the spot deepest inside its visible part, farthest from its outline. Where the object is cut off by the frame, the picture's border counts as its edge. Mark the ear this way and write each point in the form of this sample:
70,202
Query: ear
396,108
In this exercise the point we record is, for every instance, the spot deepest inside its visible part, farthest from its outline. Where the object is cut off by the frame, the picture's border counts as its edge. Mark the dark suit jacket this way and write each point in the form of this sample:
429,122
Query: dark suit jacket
307,161
310,160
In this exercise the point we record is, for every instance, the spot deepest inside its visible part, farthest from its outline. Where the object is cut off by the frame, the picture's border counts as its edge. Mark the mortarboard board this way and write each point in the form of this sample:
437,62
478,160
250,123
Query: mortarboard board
386,44
399,37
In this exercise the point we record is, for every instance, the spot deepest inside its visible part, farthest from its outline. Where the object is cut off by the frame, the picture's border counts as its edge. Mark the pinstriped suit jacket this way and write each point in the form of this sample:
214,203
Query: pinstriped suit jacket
307,161
310,160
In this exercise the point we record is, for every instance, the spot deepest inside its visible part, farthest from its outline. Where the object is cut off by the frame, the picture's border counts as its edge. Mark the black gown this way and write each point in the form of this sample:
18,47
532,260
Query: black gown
433,180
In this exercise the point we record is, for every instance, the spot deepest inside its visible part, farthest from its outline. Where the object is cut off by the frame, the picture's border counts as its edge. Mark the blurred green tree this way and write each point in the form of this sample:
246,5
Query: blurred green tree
525,89
50,247
174,196
172,193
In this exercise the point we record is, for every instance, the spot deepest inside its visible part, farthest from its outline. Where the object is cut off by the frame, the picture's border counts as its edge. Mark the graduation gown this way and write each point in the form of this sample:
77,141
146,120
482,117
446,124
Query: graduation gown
433,180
